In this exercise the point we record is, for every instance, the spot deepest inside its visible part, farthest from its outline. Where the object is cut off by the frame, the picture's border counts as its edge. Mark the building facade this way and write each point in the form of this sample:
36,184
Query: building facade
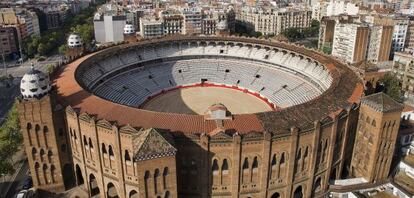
274,22
350,42
109,28
269,154
9,40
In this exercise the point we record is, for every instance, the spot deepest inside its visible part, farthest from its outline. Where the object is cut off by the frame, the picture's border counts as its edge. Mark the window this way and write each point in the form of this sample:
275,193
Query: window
111,152
215,167
127,157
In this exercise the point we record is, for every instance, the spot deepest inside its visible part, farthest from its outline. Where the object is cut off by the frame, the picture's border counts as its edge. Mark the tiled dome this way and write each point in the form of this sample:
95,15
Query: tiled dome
34,84
75,40
129,29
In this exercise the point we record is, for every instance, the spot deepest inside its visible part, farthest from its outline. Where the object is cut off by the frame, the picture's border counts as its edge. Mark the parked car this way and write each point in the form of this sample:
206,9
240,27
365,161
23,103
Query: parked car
21,194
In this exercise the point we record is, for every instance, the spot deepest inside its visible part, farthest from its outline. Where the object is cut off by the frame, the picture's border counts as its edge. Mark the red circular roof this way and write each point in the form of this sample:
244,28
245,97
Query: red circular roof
345,90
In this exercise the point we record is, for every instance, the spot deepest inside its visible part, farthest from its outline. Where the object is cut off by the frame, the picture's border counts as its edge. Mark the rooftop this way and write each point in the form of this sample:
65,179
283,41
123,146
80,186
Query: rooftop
405,182
381,102
331,103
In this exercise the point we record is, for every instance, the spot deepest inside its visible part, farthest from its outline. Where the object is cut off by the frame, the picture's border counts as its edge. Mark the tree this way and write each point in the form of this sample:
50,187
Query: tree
293,34
41,49
62,49
390,85
10,141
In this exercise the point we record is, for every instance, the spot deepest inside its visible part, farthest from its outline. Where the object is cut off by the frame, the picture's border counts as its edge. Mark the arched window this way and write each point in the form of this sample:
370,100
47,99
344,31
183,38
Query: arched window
165,177
49,156
85,142
29,128
282,159
104,149
133,194
52,173
225,165
34,152
305,155
146,178
90,144
156,179
215,166
127,158
374,123
246,163
47,181
273,162
37,129
42,155
37,167
110,151
255,164
45,132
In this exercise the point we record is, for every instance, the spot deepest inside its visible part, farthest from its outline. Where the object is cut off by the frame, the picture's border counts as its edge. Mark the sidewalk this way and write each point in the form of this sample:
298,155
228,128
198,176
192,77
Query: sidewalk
7,180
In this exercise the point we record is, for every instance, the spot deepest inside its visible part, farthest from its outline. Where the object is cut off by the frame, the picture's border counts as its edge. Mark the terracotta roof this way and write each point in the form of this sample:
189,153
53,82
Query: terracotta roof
381,102
344,91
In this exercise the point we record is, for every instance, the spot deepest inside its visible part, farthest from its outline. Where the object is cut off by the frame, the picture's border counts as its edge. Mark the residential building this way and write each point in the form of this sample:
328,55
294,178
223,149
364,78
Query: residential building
274,21
25,20
193,20
333,8
151,28
173,22
350,42
54,19
109,28
409,39
403,68
8,41
399,35
379,46
134,16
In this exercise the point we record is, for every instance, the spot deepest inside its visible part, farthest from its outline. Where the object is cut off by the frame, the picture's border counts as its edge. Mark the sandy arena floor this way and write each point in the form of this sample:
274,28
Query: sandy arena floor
196,100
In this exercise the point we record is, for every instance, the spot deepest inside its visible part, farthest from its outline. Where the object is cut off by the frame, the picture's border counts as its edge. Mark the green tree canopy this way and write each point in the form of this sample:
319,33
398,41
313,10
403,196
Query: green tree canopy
10,141
391,87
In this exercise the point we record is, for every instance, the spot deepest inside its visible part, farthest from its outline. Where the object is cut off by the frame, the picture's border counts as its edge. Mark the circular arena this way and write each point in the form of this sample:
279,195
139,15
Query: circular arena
194,117
136,75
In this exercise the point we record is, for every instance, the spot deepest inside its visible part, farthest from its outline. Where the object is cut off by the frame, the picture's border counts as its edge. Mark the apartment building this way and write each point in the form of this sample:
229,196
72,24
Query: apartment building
400,34
25,20
403,68
379,46
274,21
151,27
109,28
193,19
333,8
350,42
409,39
8,41
173,21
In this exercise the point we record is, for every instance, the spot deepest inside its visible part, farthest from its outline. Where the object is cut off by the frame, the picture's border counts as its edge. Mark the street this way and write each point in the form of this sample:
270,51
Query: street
18,180
18,70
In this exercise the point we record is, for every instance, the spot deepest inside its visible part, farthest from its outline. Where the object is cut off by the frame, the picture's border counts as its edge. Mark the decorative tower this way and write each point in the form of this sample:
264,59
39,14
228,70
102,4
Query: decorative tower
129,33
43,129
75,46
379,121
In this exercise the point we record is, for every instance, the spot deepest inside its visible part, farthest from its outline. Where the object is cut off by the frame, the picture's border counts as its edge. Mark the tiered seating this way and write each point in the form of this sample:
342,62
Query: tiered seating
283,78
134,87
